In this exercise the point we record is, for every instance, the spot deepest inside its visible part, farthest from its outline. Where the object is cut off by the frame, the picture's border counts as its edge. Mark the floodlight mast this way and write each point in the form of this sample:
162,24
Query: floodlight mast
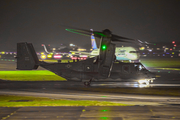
106,54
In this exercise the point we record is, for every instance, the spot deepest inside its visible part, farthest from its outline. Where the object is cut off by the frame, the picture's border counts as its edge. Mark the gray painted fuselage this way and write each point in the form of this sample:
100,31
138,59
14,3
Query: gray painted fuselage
88,69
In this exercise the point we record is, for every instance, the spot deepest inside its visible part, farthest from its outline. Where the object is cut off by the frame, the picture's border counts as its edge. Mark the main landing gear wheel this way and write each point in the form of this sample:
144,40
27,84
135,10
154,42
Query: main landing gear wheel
88,83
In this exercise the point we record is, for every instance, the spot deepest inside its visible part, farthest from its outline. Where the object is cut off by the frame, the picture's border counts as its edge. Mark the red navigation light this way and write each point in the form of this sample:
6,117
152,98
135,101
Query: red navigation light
173,42
49,45
42,45
175,45
170,49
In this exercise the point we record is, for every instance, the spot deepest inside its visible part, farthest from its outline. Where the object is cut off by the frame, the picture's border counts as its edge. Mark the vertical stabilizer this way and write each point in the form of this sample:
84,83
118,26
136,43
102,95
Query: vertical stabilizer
26,57
45,49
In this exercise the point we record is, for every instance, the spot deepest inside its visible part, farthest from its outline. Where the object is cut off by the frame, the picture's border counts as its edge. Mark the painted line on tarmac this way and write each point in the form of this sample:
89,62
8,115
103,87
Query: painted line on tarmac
177,69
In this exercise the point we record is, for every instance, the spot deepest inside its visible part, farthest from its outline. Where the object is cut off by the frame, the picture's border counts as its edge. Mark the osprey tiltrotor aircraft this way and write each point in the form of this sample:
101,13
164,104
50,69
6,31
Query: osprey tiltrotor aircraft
103,67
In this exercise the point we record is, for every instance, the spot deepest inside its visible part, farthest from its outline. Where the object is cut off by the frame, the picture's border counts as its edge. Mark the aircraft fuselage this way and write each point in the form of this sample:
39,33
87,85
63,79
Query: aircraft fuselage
88,69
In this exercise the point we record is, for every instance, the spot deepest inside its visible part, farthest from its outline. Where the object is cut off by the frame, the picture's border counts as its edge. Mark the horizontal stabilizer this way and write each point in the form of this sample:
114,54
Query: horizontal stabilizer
26,57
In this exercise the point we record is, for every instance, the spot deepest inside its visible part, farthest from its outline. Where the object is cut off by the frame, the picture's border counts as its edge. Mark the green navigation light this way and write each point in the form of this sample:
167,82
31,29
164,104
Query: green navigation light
103,47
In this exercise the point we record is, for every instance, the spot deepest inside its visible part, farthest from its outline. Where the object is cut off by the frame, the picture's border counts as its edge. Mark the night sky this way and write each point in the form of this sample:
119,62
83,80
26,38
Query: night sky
40,21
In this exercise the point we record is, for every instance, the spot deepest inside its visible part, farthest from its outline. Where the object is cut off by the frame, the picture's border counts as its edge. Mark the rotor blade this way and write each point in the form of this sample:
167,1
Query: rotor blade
97,34
120,37
75,29
117,40
79,32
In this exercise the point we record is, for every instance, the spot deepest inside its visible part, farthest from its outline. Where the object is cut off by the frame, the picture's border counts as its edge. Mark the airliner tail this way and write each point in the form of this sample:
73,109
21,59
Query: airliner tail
93,42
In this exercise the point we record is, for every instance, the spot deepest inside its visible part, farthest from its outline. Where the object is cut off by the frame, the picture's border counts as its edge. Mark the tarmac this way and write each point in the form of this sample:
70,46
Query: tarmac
91,113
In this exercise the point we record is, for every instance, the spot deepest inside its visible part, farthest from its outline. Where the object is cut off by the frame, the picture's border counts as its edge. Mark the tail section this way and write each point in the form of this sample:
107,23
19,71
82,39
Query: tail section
93,41
26,57
45,49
